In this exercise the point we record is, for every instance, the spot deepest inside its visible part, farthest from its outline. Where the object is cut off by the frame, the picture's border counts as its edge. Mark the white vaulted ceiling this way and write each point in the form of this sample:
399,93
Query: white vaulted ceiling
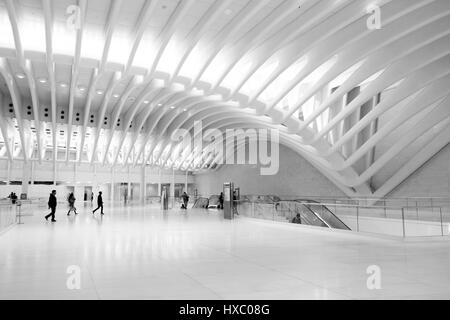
365,107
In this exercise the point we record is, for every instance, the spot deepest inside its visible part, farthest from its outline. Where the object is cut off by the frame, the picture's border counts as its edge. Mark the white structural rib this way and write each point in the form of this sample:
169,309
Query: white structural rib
4,129
51,71
205,22
75,69
338,92
12,86
117,110
108,94
138,32
16,99
163,39
111,23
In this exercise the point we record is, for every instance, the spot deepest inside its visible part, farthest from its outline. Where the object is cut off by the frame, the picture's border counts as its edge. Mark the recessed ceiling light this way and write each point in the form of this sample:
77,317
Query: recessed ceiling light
184,110
116,96
82,88
63,85
99,92
146,102
159,104
172,107
20,76
42,80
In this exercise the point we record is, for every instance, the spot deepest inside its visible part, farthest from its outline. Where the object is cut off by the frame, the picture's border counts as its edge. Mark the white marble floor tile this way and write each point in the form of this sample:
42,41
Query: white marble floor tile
140,253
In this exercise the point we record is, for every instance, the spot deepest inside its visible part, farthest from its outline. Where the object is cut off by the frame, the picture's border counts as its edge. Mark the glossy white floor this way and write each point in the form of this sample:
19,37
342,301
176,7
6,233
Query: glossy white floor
139,253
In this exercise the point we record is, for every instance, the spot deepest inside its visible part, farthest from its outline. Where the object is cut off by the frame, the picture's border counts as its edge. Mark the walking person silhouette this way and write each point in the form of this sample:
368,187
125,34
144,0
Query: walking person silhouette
99,203
52,203
71,201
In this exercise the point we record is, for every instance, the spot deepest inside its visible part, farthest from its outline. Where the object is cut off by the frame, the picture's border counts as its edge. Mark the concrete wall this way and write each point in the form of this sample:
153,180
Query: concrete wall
296,177
431,180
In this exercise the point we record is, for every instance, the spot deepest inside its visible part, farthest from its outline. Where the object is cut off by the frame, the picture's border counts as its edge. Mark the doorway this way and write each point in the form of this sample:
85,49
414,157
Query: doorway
88,195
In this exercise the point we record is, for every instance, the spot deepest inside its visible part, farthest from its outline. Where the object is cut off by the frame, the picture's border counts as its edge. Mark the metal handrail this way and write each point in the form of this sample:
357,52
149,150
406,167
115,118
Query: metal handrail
346,205
436,220
351,199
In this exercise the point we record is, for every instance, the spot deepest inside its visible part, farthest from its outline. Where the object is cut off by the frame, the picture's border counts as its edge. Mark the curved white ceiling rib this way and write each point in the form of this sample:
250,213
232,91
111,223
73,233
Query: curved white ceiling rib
342,95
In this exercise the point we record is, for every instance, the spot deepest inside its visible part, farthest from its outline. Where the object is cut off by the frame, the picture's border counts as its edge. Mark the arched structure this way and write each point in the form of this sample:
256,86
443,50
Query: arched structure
110,81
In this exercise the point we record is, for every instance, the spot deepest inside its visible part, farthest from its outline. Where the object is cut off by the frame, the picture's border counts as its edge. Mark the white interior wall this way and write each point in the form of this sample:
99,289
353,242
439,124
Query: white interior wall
80,176
296,178
430,180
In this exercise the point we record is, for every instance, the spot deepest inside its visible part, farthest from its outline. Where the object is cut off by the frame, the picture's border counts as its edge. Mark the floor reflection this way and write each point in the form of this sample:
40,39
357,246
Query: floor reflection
135,252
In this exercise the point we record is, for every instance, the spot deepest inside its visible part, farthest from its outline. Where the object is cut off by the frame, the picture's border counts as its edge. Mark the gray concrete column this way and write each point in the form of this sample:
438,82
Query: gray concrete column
159,183
111,196
26,174
172,191
8,174
55,165
129,186
143,184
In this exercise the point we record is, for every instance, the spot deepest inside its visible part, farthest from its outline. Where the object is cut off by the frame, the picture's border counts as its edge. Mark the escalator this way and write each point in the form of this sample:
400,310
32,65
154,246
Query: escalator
305,212
309,212
201,203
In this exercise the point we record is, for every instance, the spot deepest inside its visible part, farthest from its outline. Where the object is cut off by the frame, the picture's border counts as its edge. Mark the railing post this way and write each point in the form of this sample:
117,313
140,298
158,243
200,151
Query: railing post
19,204
357,219
335,206
417,211
442,221
403,222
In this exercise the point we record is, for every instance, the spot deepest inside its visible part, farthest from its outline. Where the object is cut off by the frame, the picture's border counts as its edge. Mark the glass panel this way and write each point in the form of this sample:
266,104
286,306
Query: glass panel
7,216
326,215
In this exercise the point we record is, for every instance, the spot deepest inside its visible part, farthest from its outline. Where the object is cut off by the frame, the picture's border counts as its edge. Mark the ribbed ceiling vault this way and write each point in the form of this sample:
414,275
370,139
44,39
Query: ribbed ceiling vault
366,107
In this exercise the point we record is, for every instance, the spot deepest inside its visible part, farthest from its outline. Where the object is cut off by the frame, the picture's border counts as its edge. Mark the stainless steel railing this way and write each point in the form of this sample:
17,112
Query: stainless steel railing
7,216
415,220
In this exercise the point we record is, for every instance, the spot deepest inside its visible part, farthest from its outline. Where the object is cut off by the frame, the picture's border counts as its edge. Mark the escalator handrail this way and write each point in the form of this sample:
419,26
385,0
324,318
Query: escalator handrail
306,202
326,208
314,213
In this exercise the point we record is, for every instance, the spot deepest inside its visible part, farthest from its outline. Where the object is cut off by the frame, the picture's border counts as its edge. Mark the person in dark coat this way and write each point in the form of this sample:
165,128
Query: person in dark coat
185,200
99,203
52,203
297,219
71,201
221,201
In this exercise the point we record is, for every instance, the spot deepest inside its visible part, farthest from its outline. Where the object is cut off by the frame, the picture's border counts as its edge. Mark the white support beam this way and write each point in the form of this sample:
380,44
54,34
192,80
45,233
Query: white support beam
75,70
4,129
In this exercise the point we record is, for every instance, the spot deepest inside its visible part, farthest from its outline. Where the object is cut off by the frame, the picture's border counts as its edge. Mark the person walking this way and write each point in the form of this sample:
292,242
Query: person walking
221,201
14,198
71,201
297,219
52,203
185,200
99,203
